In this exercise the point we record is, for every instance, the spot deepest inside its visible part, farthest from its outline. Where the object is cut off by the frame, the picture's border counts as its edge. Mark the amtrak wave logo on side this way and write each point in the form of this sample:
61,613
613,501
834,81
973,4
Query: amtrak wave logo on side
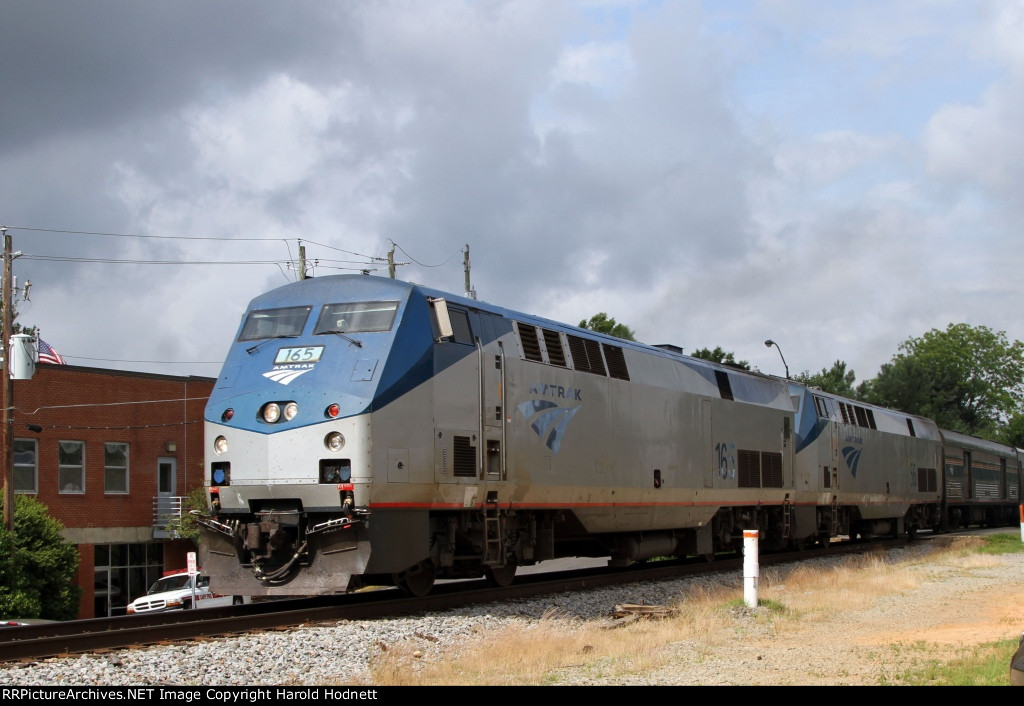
286,375
852,456
548,420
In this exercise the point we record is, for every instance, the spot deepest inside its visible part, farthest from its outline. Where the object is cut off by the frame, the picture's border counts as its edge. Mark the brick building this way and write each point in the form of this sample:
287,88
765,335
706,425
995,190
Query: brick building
112,454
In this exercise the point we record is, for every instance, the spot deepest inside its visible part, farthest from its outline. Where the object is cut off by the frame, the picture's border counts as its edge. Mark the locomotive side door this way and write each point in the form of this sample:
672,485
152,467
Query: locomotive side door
492,392
468,399
828,456
456,402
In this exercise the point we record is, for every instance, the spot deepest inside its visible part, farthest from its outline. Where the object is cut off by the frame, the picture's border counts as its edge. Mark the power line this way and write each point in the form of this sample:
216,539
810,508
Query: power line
163,362
113,261
37,410
141,235
422,264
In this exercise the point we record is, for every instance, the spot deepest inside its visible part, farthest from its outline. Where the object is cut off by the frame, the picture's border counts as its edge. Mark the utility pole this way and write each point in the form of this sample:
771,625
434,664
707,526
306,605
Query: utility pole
465,266
7,399
391,261
302,261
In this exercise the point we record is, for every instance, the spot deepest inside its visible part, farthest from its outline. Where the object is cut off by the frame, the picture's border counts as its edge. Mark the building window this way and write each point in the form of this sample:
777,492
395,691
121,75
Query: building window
25,467
115,467
123,572
71,466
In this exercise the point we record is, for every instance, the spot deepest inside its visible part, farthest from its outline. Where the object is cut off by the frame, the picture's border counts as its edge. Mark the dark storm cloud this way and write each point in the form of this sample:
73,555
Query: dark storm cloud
77,67
707,174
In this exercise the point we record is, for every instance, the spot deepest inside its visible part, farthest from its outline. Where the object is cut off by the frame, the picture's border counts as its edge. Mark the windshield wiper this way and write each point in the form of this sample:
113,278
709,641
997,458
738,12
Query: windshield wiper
252,349
343,335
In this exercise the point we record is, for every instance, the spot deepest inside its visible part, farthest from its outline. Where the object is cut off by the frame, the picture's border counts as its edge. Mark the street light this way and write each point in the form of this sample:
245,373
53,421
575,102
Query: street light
769,343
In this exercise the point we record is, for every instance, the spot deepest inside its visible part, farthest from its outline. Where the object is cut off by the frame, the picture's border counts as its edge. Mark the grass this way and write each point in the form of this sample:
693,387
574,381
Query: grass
561,649
979,665
1001,544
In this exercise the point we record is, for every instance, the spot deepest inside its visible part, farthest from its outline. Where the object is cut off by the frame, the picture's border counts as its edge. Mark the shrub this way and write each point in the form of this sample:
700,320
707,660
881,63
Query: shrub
37,566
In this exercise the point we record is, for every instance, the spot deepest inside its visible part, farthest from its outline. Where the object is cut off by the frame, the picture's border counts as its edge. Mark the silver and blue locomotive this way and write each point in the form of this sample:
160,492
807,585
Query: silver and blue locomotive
369,431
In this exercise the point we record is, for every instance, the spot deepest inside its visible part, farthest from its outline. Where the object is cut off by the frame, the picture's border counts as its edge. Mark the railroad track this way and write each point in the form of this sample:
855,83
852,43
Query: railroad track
33,642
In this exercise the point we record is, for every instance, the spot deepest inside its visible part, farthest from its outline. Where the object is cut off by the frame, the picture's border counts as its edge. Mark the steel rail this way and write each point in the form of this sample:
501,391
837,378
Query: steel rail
32,642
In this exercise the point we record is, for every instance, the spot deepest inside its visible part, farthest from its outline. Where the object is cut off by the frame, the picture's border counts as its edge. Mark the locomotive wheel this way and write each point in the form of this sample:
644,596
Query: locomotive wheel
501,576
416,580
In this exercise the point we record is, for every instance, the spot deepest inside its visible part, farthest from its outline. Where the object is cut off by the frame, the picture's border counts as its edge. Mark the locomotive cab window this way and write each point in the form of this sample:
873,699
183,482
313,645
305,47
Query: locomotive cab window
356,317
286,322
461,331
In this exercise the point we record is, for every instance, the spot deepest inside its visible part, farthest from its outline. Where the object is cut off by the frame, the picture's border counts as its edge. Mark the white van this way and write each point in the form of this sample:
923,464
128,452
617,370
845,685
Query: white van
173,591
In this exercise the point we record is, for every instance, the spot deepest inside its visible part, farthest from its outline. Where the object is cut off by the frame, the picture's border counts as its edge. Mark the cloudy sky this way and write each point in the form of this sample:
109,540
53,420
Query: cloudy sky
837,176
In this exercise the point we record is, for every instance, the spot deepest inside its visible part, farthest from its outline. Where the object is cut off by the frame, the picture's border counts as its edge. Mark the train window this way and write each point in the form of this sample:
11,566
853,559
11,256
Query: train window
274,323
821,407
356,317
461,332
724,386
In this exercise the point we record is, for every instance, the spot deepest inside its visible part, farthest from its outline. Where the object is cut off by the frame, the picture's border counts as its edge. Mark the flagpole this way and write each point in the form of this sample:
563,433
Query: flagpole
7,399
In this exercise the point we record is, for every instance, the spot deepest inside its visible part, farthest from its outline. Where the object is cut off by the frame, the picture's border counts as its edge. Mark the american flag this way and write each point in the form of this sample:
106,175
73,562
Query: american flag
48,354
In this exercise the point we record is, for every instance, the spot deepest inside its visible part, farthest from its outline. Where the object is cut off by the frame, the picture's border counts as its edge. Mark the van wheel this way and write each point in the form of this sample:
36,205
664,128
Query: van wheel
186,605
237,600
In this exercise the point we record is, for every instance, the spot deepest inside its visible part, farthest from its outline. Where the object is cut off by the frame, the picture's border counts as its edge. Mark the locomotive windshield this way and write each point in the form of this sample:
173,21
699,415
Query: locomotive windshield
356,317
275,323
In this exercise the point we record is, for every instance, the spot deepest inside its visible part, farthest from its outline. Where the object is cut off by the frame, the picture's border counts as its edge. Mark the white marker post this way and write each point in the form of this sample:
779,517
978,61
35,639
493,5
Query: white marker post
1021,523
751,570
190,560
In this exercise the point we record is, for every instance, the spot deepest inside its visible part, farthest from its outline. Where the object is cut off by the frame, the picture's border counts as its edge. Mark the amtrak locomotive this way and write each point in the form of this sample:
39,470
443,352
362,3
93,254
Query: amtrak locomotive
369,431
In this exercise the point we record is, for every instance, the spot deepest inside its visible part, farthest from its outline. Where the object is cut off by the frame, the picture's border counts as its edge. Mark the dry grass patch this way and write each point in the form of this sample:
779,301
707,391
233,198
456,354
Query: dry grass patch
560,649
854,585
548,651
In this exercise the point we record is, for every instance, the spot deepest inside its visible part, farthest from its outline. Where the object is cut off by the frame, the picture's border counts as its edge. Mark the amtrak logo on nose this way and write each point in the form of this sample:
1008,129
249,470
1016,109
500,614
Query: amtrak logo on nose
285,375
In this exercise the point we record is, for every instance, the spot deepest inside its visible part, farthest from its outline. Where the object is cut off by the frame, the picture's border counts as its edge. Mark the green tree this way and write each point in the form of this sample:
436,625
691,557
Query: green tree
837,379
1013,432
602,323
719,355
966,378
37,566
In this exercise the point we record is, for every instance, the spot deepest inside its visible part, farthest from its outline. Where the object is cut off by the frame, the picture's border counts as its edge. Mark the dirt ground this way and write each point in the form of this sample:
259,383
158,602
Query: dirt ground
955,603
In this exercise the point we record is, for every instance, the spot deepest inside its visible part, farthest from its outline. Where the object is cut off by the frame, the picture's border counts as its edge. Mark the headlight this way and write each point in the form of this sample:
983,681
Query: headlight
290,410
334,441
220,445
272,412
